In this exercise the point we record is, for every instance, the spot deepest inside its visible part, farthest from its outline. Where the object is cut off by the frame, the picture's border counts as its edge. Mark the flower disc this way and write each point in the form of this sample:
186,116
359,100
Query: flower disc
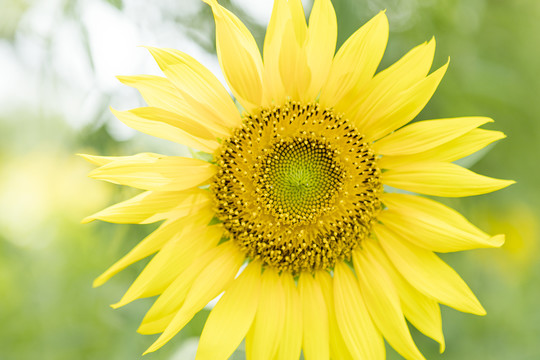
298,187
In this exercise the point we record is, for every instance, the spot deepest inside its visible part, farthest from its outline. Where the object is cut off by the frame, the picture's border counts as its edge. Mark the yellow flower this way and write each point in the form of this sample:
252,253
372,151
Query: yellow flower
293,189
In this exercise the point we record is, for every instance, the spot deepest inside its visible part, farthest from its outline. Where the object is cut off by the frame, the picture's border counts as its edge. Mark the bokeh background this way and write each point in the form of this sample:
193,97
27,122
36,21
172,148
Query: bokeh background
58,61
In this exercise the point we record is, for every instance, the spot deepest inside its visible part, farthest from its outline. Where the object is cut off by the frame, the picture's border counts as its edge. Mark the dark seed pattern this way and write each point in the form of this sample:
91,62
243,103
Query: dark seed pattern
298,187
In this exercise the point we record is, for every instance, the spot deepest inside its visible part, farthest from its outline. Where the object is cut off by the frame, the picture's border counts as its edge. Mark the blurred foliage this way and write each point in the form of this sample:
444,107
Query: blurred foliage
12,11
48,309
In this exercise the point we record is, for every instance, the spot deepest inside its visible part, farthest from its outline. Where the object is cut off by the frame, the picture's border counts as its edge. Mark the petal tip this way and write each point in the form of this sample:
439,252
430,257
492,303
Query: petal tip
98,282
113,110
118,304
212,3
143,329
383,17
506,183
481,312
87,157
87,220
155,346
124,79
152,50
126,299
442,347
95,174
148,47
148,351
498,240
94,159
477,308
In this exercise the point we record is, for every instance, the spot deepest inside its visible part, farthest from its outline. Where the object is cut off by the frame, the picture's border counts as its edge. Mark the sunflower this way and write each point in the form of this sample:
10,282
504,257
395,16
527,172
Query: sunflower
287,208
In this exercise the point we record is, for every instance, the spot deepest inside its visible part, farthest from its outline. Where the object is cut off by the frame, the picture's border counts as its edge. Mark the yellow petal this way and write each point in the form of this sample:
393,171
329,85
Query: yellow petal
169,126
293,65
441,179
172,260
104,160
422,311
167,232
151,244
172,298
290,342
299,18
382,301
433,226
287,71
388,85
138,208
166,173
271,52
202,91
239,57
263,338
210,283
151,206
425,135
315,319
356,61
285,59
167,305
321,45
232,316
295,73
159,92
362,338
156,326
338,348
453,150
402,109
427,273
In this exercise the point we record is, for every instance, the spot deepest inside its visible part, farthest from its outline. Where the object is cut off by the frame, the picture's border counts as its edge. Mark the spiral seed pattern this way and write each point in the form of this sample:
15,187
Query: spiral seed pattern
298,179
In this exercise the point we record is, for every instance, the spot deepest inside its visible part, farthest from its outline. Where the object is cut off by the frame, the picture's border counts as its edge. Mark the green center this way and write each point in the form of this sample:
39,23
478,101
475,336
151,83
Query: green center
299,178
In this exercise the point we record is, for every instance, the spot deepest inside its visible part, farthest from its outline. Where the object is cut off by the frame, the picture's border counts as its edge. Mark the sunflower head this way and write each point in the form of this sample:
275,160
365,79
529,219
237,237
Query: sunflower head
289,215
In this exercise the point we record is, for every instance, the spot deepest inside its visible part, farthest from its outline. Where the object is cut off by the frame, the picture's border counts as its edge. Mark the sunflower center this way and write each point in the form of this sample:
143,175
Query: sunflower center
297,187
298,179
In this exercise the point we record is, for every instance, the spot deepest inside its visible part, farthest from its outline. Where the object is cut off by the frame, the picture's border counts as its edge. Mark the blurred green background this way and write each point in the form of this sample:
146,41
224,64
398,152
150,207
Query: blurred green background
58,59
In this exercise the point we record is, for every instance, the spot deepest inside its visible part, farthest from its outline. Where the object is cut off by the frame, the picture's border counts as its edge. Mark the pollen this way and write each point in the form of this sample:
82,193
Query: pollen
298,187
